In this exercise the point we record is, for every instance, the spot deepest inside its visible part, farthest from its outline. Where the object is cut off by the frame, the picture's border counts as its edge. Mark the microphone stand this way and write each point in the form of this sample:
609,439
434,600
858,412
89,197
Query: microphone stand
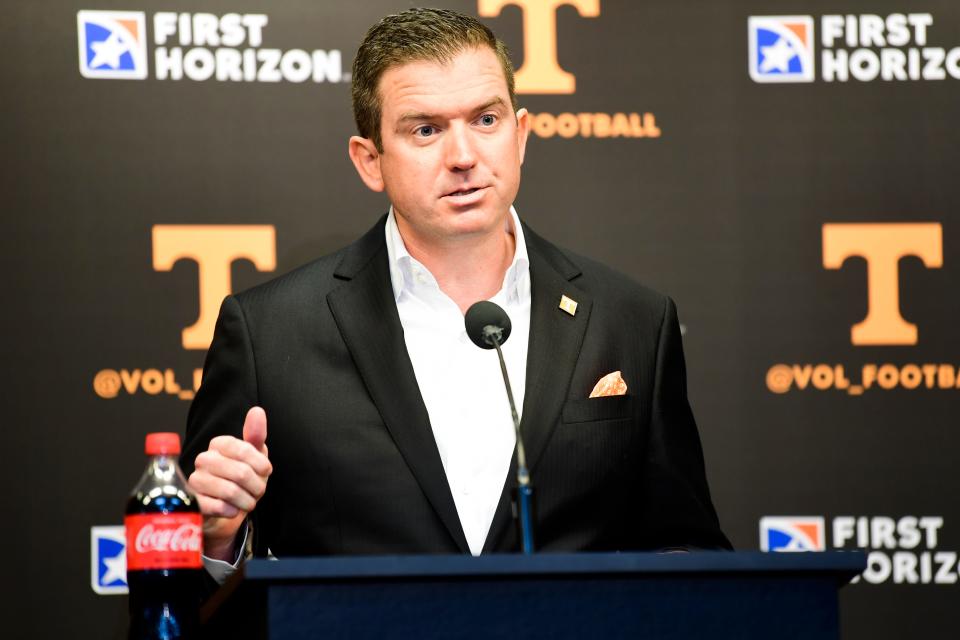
523,500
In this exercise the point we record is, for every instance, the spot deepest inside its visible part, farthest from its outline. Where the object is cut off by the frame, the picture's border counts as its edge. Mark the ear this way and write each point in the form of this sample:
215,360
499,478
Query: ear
366,160
523,131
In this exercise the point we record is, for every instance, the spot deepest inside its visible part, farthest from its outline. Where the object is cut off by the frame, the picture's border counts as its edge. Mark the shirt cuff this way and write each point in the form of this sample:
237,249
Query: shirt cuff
220,570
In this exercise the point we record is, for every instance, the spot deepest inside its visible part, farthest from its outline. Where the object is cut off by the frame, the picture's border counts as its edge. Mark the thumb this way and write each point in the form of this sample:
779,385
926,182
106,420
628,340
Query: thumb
255,427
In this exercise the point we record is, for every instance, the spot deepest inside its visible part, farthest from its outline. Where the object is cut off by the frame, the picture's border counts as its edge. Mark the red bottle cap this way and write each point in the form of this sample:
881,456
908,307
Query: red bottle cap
163,444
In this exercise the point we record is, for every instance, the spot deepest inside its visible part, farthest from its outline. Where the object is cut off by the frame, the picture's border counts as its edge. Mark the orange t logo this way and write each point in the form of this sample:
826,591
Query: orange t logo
214,248
882,245
540,72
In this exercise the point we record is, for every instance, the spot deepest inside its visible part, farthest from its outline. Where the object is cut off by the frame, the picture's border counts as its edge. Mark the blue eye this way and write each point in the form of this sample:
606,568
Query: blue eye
488,119
425,131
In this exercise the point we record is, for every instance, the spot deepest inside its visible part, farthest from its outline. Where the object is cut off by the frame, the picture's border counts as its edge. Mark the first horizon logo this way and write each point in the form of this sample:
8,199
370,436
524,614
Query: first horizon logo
863,47
900,550
781,48
113,44
196,46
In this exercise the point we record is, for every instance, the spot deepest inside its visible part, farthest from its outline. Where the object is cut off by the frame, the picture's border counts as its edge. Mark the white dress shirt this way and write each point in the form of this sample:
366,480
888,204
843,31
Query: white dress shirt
461,384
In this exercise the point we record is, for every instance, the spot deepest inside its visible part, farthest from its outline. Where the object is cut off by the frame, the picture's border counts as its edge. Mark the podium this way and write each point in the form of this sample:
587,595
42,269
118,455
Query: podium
584,595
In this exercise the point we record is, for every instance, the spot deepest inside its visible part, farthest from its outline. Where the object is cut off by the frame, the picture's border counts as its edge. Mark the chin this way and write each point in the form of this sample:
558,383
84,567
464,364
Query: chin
474,221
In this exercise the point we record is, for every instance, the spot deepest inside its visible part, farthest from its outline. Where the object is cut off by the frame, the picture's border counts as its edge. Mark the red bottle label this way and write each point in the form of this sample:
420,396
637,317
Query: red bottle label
164,541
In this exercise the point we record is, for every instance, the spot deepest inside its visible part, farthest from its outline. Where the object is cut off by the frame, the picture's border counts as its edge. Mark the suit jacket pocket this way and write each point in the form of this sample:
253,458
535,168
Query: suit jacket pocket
600,409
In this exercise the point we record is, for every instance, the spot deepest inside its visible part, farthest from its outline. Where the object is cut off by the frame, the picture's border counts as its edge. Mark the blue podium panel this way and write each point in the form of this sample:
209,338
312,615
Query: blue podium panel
718,595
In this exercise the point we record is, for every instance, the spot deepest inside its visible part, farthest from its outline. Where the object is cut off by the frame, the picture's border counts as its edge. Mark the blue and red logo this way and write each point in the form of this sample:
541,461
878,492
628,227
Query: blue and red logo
792,533
108,560
781,48
113,44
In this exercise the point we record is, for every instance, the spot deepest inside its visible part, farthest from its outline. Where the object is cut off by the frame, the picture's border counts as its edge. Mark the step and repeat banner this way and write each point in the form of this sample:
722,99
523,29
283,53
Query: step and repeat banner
787,171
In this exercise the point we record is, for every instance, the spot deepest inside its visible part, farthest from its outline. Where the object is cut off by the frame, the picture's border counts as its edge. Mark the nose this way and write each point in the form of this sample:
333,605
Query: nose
460,154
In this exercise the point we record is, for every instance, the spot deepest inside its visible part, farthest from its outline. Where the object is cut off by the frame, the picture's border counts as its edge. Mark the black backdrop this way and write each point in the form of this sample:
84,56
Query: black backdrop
716,192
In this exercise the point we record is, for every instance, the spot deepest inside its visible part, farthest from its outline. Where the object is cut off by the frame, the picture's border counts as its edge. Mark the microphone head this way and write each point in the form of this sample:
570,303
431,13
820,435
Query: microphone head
485,322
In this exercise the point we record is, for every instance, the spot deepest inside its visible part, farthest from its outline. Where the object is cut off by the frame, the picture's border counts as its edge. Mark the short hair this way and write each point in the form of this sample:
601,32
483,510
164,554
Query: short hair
410,36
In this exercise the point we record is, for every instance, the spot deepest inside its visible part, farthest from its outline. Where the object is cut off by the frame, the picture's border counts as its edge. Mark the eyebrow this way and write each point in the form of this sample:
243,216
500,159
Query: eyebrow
413,116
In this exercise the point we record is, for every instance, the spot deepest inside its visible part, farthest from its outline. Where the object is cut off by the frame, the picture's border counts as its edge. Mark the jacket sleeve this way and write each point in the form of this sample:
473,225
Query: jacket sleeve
228,387
677,510
227,391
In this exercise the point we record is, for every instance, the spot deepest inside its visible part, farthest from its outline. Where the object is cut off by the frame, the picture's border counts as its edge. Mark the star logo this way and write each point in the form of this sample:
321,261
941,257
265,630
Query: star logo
108,52
116,568
108,560
781,48
777,57
112,44
792,533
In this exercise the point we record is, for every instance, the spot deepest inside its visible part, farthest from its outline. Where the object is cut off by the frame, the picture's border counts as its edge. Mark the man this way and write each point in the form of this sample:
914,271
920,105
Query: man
389,432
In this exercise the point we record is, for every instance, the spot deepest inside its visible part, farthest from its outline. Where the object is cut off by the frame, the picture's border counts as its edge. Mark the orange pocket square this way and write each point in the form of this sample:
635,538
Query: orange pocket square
611,384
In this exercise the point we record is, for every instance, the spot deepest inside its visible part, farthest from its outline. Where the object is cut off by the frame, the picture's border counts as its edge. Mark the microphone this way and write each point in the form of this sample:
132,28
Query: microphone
487,324
488,327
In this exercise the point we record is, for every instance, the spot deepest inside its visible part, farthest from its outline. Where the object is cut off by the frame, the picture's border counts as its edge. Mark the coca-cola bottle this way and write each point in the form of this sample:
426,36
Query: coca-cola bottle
164,543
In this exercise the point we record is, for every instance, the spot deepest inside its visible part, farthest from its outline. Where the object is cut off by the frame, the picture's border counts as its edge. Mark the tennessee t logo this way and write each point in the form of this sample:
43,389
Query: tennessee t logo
882,246
214,248
540,72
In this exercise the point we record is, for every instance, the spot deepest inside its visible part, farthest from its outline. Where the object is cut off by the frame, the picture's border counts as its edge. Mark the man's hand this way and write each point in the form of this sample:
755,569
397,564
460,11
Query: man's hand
228,480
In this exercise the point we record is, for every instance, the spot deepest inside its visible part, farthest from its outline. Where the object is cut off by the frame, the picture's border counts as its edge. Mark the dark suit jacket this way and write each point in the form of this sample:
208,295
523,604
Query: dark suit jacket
356,468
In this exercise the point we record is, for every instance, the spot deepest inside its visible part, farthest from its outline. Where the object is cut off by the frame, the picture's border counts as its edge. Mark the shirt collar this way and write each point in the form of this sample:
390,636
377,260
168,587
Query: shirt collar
516,280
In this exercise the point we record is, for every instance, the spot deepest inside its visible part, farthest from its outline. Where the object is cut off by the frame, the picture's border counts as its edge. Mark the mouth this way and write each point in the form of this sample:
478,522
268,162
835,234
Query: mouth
463,193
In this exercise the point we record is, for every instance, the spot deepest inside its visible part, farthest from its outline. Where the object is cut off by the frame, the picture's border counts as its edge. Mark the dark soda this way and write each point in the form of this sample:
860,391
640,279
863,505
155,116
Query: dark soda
164,546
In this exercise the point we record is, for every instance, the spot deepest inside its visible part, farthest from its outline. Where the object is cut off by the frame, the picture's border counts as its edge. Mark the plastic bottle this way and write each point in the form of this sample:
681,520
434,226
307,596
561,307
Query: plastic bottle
164,546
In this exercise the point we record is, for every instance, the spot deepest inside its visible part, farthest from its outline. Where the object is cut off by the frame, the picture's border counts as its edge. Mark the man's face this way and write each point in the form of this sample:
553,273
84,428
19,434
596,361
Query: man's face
452,146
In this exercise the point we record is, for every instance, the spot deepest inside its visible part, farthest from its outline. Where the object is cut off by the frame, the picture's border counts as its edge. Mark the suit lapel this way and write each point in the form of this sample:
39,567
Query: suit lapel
365,311
555,341
554,347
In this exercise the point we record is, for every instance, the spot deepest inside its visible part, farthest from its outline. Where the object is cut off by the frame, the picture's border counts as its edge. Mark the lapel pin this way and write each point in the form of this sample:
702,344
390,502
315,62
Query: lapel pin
568,305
